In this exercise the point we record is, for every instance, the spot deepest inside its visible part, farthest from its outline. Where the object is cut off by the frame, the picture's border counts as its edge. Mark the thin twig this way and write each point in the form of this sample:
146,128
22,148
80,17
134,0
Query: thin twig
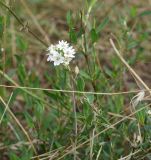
72,91
129,67
25,27
92,137
17,145
35,21
6,107
129,156
14,130
48,153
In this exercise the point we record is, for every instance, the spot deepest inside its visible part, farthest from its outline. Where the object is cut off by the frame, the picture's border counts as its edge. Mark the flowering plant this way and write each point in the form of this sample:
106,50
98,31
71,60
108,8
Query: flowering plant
61,53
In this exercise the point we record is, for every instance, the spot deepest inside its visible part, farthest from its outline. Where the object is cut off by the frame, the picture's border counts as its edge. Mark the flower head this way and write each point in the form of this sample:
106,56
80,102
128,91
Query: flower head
61,53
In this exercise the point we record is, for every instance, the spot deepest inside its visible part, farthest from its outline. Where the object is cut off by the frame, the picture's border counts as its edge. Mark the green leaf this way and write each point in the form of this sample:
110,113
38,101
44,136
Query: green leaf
14,157
53,96
145,13
22,73
132,44
18,58
91,3
16,92
73,36
80,32
119,102
80,84
96,74
141,116
21,44
29,119
37,1
102,25
1,26
33,79
94,35
133,11
85,75
108,72
90,98
39,110
69,18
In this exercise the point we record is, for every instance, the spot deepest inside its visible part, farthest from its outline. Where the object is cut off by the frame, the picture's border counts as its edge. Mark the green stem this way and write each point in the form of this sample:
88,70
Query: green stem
75,116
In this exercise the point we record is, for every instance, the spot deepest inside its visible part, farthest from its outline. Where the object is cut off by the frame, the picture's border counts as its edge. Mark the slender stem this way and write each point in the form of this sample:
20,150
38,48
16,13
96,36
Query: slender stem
70,91
6,107
85,52
75,117
35,21
135,75
13,40
92,82
26,27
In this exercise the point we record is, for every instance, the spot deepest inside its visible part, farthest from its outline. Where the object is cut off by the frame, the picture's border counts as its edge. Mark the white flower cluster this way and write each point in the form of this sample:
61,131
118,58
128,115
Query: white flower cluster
61,53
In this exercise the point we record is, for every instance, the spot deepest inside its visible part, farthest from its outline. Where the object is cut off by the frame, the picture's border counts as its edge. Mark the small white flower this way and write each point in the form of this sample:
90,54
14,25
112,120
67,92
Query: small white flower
61,53
51,55
57,59
62,45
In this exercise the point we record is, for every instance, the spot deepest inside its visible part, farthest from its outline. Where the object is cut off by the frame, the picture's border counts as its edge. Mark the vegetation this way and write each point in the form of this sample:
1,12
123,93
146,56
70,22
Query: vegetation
95,108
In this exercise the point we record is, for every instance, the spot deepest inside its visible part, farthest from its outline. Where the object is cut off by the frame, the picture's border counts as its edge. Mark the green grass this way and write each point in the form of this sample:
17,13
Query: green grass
40,115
